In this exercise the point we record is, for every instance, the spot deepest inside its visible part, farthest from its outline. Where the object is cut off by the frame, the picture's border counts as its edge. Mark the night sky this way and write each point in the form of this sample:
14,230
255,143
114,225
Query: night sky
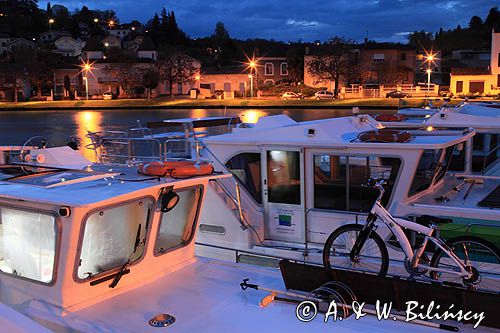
380,20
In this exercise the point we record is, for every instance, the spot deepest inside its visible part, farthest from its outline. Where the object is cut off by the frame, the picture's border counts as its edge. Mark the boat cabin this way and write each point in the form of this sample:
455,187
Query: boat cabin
302,180
73,234
482,153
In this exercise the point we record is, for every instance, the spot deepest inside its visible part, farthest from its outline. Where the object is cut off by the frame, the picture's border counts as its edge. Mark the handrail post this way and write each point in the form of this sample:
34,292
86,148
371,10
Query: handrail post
238,199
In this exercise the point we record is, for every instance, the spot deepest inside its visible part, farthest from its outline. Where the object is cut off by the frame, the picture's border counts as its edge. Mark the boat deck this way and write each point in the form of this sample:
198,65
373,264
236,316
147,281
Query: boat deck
205,296
468,197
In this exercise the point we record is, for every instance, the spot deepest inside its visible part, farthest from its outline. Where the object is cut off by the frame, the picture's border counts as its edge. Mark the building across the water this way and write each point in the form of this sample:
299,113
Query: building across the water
479,80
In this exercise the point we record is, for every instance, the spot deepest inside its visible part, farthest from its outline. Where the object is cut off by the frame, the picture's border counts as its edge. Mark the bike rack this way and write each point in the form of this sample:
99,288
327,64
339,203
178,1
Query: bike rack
371,288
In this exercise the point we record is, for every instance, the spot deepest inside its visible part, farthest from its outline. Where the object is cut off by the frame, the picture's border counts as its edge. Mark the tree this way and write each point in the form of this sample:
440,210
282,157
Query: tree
128,75
421,40
150,79
175,66
40,69
333,61
493,20
475,23
221,34
295,61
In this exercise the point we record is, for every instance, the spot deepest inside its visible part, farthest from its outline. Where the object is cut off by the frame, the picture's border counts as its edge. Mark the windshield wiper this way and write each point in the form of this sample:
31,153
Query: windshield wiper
123,269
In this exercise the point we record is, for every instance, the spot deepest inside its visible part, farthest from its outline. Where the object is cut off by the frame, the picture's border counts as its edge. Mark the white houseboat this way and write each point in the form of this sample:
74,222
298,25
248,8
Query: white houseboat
301,181
97,248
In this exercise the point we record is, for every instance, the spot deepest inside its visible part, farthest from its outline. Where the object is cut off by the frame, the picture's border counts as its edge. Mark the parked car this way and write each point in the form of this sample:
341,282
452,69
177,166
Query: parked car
107,95
324,94
291,95
445,93
397,94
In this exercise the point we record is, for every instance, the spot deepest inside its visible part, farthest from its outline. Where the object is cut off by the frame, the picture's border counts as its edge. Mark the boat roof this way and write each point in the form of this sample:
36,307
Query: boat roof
195,122
73,187
343,131
480,119
468,115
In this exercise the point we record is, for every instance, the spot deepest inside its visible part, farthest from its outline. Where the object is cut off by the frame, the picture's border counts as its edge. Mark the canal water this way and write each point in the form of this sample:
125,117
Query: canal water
58,126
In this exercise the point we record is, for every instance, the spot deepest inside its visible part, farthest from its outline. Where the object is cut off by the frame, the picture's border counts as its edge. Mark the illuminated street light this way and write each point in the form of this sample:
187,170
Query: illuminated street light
51,21
111,23
86,68
429,58
96,20
106,44
250,76
197,78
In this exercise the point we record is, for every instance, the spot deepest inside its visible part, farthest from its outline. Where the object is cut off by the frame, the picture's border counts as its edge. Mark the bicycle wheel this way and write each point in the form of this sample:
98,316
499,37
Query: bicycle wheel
373,257
484,263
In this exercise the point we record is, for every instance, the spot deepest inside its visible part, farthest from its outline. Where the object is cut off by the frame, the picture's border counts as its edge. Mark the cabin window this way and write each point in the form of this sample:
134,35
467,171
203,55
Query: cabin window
27,244
114,236
246,168
484,150
457,162
460,86
339,181
426,170
177,226
283,177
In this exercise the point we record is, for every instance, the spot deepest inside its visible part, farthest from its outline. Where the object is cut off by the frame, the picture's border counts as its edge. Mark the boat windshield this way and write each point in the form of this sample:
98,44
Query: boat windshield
431,168
27,244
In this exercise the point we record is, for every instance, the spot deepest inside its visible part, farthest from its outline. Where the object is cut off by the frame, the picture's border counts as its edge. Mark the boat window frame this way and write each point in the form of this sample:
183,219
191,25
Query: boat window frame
261,204
57,245
316,152
201,187
110,272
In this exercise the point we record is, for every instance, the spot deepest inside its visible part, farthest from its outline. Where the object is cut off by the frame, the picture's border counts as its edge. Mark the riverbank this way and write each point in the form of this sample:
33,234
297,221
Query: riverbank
163,103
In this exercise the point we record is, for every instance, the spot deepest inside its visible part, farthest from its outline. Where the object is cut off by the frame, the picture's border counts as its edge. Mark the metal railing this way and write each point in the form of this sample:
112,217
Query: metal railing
116,147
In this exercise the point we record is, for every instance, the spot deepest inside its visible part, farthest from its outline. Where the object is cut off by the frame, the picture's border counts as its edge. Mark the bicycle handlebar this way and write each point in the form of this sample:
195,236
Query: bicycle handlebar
378,183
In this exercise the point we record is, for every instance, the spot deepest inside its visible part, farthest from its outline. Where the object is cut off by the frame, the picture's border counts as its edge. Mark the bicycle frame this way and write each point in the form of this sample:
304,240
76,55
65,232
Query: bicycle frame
396,226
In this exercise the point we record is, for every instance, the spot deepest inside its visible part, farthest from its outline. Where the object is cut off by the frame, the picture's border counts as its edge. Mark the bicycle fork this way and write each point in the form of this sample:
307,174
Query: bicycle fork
363,236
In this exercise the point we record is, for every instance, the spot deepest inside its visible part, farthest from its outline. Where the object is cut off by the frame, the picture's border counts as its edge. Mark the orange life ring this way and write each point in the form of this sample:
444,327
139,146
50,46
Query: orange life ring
176,169
385,136
390,117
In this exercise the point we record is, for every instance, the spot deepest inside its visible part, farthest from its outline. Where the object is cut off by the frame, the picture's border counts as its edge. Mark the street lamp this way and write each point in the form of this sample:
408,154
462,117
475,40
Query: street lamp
96,20
252,64
51,21
250,76
429,58
111,23
86,68
428,71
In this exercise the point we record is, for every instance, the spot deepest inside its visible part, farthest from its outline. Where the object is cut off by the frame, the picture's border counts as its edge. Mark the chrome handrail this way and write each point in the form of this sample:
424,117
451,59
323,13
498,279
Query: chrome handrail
243,221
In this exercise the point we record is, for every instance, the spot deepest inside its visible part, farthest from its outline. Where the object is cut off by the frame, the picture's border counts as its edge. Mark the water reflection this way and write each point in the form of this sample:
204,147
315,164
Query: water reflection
198,113
251,116
87,121
58,126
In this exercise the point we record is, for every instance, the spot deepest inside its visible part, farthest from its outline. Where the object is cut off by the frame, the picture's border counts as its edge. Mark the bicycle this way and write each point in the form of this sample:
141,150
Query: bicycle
359,247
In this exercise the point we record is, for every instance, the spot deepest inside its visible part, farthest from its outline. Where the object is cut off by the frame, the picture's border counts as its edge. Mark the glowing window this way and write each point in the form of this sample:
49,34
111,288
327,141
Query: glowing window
114,236
27,244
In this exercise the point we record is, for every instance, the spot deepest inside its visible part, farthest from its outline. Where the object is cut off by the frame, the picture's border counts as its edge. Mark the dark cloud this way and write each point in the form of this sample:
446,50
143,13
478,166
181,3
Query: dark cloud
388,20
